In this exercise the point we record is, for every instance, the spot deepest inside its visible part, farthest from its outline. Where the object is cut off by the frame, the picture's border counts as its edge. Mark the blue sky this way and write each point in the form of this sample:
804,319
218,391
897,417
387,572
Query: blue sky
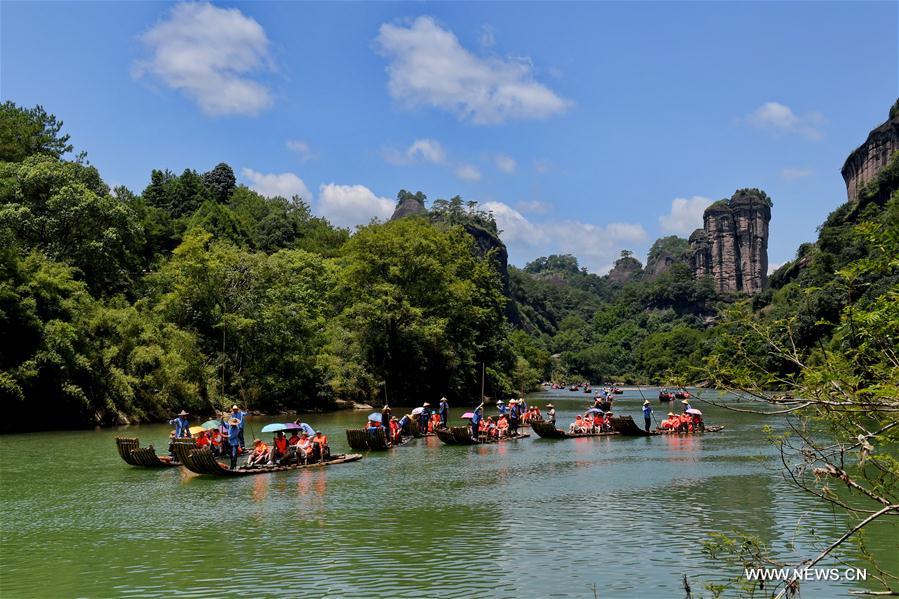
586,127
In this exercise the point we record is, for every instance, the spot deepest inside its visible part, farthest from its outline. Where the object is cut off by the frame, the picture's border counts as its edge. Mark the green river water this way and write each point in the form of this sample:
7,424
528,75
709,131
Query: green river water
527,518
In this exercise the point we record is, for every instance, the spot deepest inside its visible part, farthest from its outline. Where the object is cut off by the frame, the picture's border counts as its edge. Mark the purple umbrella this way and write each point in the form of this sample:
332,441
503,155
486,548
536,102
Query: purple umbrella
593,411
292,426
467,415
694,411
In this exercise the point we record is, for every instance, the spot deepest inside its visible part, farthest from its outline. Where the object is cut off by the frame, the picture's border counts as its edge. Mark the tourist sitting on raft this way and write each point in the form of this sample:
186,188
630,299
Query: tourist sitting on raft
202,439
280,452
672,422
301,448
320,449
502,426
259,454
580,426
396,435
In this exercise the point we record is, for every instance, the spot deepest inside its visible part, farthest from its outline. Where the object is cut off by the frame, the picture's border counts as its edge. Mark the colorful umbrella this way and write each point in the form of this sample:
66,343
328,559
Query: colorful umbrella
467,415
210,424
375,416
195,430
274,427
292,426
694,411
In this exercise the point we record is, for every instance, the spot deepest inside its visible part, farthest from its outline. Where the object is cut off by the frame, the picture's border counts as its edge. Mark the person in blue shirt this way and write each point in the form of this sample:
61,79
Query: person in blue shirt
514,416
423,418
647,414
181,424
501,406
239,415
475,422
443,410
686,403
234,432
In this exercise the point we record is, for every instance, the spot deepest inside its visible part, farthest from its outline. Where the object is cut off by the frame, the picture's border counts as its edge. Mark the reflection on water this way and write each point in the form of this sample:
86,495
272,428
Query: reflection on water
531,517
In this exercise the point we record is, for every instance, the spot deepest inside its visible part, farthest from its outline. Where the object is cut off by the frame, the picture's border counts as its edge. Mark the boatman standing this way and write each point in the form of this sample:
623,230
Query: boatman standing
233,441
239,414
182,425
443,410
551,413
476,422
385,419
647,414
514,416
686,403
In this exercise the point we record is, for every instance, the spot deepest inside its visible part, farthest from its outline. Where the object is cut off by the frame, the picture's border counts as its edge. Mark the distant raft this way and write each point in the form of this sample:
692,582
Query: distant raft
135,455
202,461
461,435
549,431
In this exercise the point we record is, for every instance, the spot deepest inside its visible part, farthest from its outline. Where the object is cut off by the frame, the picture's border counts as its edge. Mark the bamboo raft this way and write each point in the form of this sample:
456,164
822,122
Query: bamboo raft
362,439
626,426
549,431
202,461
135,455
461,435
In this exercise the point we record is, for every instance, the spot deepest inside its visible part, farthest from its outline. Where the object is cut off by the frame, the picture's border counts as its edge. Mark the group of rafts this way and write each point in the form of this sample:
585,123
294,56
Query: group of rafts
384,431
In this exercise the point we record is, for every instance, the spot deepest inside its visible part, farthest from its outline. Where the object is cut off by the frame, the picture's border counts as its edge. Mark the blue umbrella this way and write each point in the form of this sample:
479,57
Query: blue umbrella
274,427
306,428
593,411
375,416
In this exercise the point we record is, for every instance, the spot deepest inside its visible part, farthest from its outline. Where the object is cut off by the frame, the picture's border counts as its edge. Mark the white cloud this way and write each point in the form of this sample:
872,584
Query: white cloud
428,66
685,215
533,207
428,150
775,116
791,174
505,163
468,172
301,148
351,205
276,184
774,266
596,247
420,150
211,54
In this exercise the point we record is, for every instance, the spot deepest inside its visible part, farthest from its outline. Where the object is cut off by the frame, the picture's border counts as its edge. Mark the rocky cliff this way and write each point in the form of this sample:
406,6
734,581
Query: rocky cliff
732,246
867,160
625,269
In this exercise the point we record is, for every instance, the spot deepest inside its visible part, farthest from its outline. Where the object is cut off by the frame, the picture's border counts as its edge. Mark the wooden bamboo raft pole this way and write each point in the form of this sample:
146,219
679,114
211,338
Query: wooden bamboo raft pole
201,461
133,454
549,431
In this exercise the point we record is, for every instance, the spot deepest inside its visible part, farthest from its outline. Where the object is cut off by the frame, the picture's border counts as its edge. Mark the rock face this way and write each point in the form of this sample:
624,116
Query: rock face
663,254
625,269
732,246
865,162
409,206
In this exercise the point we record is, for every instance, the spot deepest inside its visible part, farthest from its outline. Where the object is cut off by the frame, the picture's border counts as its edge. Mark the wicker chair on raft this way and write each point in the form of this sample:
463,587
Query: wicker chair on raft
135,455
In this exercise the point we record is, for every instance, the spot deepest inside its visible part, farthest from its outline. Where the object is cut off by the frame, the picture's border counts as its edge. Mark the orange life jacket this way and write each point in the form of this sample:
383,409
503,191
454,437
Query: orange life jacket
281,444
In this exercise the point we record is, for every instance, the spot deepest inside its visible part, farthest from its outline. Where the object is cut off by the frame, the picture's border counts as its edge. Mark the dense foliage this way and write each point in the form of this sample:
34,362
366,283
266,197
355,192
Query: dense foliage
198,292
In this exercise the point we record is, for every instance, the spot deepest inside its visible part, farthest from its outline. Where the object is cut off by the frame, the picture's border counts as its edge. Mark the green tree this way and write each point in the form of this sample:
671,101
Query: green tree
25,132
220,182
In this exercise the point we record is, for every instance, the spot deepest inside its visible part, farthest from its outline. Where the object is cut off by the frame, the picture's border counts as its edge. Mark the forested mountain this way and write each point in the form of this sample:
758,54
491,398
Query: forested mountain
198,292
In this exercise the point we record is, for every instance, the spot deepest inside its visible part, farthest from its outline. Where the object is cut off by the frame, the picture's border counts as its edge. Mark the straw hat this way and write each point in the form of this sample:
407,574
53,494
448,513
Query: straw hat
499,401
646,402
684,401
443,399
425,405
671,413
549,405
183,413
234,422
234,407
257,441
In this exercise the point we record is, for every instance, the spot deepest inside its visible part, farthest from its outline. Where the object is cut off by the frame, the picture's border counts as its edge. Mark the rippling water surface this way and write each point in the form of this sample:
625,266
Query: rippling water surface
529,518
